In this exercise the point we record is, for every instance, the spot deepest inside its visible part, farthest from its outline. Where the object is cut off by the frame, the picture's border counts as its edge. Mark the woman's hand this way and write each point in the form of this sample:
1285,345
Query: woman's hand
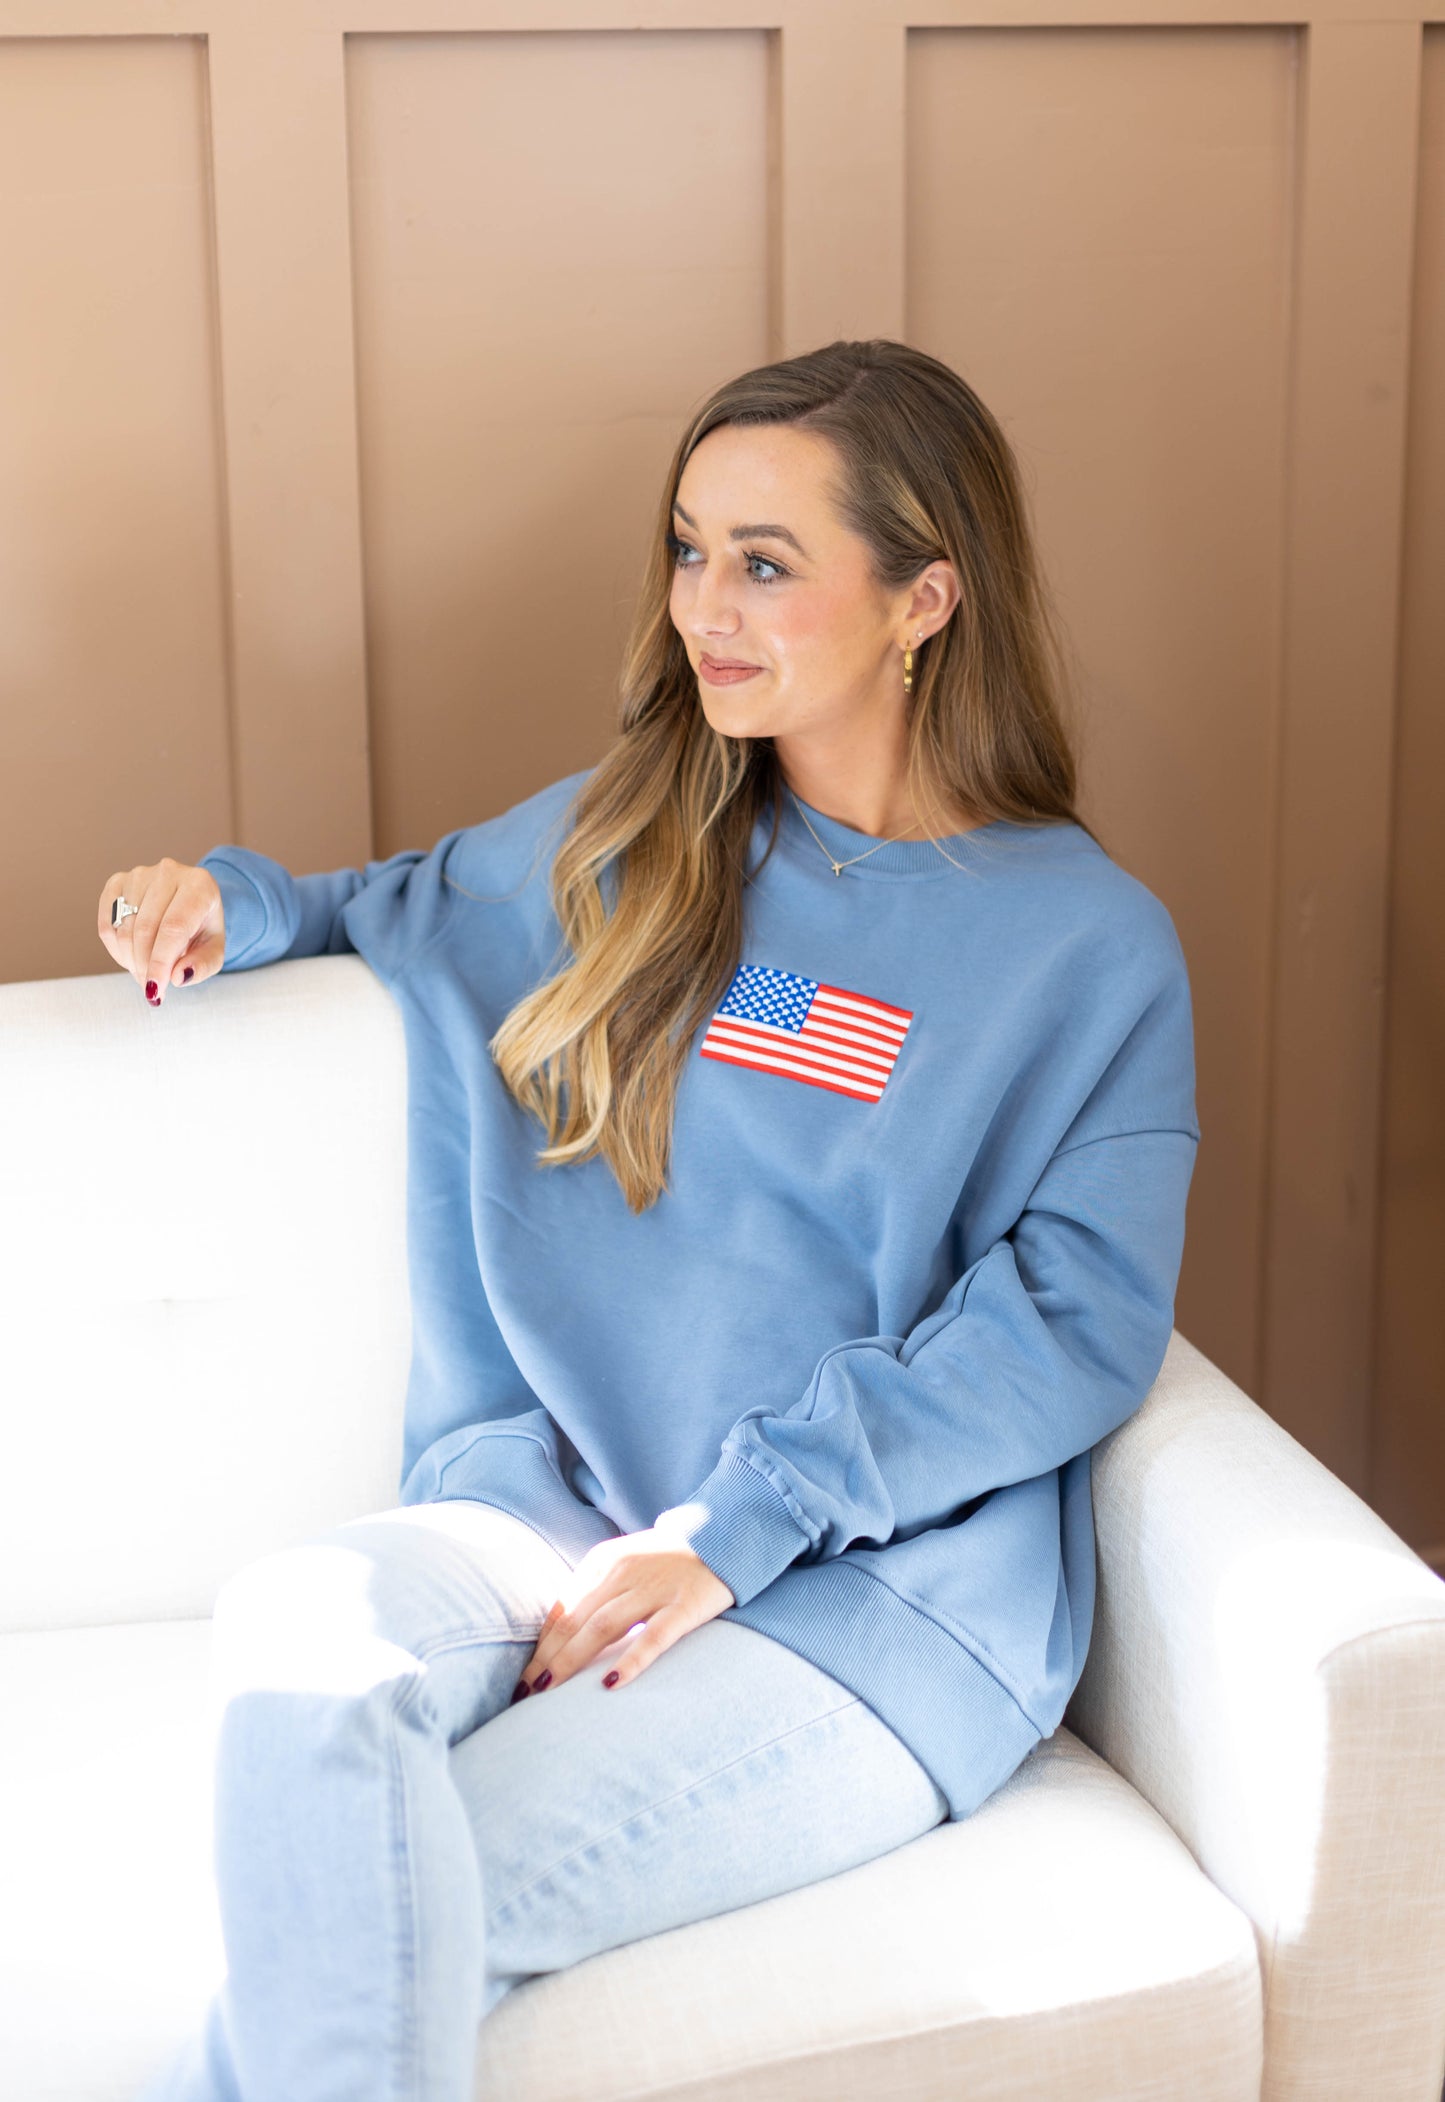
639,1577
178,937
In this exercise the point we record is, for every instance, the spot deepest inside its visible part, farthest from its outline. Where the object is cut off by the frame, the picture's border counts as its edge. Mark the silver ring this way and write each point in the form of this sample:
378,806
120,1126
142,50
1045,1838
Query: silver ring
119,911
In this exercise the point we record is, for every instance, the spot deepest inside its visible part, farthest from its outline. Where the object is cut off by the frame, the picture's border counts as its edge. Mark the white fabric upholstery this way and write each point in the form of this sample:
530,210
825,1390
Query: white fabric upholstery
1268,1669
202,1280
203,1291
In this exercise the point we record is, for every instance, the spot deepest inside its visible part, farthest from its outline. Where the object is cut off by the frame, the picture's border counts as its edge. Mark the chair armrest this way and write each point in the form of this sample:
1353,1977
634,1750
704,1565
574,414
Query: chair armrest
1267,1668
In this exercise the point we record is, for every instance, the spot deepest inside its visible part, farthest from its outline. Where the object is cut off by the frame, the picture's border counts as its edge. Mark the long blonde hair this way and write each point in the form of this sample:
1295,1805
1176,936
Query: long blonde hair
596,1052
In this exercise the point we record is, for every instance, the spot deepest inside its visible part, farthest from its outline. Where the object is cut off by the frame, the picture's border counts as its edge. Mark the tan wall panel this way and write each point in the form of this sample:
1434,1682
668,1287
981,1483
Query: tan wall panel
112,595
1351,292
1408,1474
529,341
1129,330
302,788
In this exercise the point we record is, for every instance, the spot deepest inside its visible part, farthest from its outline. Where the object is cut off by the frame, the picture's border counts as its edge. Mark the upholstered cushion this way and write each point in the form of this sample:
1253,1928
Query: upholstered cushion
203,1285
1061,1941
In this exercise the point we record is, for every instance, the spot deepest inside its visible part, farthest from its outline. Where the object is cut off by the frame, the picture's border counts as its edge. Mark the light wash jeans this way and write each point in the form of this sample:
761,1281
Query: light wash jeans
398,1844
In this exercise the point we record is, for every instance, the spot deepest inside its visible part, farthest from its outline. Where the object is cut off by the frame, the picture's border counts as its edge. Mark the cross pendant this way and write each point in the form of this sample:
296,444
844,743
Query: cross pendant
837,868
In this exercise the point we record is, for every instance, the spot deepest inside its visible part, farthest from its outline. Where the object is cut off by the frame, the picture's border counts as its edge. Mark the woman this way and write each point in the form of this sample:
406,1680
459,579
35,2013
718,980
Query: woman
749,1415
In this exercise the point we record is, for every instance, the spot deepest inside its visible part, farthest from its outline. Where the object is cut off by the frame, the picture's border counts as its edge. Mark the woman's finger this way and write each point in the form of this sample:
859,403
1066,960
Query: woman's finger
666,1626
552,1634
163,925
118,938
595,1577
157,887
576,1637
533,1664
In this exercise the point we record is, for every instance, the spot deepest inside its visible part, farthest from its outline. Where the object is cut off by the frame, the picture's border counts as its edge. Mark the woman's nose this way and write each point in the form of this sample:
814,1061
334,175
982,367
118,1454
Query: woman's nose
715,611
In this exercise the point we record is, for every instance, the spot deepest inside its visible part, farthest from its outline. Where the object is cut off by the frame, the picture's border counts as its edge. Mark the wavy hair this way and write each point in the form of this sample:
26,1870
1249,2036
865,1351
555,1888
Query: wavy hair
926,473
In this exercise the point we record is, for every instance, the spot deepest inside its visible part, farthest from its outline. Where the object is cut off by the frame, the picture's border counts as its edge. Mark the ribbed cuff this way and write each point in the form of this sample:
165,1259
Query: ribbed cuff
739,1525
242,905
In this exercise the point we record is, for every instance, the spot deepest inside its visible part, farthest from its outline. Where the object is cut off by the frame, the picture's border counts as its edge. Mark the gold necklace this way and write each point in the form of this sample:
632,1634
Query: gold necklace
839,866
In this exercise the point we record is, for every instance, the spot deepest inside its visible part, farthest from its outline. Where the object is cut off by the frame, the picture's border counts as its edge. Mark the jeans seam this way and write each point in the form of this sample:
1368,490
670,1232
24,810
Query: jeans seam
407,2070
406,2066
404,1867
463,1638
648,1809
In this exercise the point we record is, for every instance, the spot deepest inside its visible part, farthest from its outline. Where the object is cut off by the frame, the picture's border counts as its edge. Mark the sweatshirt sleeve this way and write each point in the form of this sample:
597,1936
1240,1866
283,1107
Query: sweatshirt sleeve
1046,1343
386,911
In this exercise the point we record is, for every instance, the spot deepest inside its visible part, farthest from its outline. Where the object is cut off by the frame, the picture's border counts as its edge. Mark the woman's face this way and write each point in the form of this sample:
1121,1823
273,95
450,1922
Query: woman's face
765,574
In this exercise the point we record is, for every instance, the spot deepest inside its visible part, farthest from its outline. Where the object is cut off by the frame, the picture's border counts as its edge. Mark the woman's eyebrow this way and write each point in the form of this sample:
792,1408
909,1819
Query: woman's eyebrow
752,532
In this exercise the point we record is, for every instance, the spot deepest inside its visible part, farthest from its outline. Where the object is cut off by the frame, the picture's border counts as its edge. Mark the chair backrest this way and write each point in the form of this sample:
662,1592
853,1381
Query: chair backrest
203,1287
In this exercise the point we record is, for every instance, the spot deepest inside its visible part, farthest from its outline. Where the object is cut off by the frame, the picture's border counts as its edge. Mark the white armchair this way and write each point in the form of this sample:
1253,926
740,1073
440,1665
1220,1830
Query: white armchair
1223,1878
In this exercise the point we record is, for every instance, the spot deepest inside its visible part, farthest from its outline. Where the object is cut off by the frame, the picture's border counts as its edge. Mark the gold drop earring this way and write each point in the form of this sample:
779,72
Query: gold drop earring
908,669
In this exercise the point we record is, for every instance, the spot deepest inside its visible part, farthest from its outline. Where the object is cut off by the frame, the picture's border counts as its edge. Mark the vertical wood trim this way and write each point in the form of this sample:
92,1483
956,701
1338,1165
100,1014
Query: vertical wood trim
1343,551
842,156
288,405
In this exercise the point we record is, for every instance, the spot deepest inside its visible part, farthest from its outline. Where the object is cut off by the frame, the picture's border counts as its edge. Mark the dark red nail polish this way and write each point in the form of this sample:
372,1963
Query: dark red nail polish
188,974
521,1690
545,1680
150,988
611,1679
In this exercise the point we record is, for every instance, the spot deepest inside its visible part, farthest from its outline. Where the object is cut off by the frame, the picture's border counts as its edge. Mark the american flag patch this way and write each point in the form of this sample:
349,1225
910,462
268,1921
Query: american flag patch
820,1034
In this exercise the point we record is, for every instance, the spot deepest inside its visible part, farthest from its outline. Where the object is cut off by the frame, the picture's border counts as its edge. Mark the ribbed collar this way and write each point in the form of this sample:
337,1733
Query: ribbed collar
912,859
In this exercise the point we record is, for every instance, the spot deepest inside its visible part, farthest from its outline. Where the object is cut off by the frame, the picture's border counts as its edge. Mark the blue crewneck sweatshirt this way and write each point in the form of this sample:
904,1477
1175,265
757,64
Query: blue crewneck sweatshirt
917,1255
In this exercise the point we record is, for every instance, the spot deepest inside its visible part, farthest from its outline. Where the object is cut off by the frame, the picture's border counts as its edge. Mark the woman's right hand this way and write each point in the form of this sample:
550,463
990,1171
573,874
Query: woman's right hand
178,937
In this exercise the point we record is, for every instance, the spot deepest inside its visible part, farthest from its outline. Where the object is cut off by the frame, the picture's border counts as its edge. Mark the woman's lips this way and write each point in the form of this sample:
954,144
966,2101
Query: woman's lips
721,675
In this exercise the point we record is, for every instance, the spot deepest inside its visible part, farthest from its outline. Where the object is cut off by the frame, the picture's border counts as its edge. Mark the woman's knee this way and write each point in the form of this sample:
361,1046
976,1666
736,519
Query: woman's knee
373,1599
303,1619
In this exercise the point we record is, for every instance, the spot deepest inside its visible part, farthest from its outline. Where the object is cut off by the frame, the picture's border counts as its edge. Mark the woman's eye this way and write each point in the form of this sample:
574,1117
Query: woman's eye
677,548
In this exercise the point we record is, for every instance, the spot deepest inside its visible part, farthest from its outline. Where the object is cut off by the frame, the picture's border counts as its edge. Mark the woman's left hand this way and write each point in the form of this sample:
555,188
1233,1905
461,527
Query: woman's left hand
646,1577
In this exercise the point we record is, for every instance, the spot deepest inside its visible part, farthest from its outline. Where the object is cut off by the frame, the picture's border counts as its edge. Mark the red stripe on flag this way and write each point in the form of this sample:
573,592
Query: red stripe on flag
903,1014
740,1046
758,1065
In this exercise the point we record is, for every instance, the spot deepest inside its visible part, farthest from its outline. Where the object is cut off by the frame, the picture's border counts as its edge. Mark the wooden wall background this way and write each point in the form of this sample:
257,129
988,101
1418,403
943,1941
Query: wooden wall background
342,347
